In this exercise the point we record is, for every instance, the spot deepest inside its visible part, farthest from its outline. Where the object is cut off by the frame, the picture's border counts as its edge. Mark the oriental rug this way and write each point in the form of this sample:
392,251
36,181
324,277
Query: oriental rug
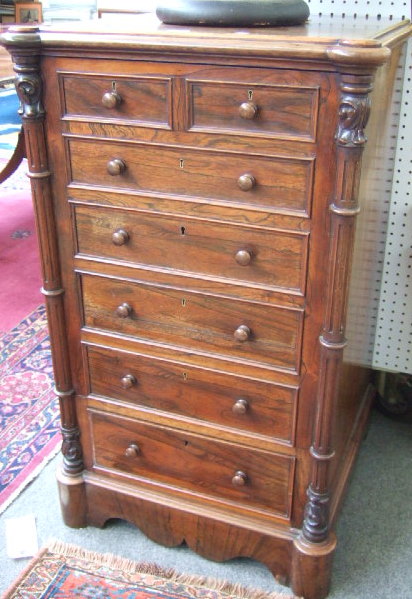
62,571
29,412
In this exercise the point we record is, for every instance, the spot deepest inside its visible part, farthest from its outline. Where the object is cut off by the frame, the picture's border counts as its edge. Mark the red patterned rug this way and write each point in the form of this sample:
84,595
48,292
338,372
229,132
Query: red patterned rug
29,413
63,571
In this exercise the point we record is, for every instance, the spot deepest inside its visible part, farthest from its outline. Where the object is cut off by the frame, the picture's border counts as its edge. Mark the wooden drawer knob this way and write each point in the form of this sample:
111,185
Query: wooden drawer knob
240,407
239,479
243,257
246,182
124,310
111,99
248,110
115,167
132,451
242,333
120,237
128,381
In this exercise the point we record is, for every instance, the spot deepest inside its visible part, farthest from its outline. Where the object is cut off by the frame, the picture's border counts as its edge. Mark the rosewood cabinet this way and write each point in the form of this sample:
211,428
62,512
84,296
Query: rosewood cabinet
196,193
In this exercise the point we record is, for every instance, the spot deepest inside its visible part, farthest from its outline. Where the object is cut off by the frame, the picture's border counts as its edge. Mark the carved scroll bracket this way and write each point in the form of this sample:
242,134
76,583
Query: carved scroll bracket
28,87
353,117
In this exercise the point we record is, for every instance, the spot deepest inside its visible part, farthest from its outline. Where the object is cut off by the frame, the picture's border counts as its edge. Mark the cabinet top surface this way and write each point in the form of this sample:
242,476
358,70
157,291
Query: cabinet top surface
356,40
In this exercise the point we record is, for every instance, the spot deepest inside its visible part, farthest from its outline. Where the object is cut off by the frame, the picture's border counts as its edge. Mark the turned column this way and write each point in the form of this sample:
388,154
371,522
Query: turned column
315,546
23,42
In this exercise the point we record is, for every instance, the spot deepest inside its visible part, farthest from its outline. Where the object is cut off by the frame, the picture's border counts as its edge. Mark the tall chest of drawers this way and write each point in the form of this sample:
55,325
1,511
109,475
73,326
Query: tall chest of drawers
196,193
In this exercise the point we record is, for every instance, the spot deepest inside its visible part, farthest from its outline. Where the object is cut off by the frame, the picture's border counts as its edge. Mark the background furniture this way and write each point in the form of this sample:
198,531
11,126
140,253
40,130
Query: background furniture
198,301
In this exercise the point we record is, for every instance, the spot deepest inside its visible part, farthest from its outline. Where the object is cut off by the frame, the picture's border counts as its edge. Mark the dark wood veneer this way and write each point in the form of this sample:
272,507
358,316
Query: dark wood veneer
196,194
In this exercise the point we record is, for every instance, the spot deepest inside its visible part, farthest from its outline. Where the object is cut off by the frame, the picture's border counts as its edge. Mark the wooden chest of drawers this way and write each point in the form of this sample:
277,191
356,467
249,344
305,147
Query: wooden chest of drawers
196,193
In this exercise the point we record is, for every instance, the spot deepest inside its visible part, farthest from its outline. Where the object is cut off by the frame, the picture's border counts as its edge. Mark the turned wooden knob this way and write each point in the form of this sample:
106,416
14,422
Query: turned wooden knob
115,167
124,310
132,451
242,333
111,99
239,479
243,257
120,237
240,407
246,182
248,110
127,381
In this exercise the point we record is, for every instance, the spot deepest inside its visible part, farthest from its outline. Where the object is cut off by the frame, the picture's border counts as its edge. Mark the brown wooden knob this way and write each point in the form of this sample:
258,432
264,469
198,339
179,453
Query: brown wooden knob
240,407
128,381
132,451
120,237
248,110
239,479
246,182
111,99
124,310
243,257
115,167
242,333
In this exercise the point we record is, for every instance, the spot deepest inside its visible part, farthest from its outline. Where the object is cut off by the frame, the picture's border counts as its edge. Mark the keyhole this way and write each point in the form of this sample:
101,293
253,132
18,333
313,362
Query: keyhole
114,86
181,163
186,443
184,375
183,302
250,94
182,230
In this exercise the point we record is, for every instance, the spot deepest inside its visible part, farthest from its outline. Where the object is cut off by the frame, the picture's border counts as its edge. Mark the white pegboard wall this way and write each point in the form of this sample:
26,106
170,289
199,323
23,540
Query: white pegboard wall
389,346
393,342
361,8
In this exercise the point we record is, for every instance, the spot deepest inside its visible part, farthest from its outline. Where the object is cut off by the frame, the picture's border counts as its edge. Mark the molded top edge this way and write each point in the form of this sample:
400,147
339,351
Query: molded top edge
343,41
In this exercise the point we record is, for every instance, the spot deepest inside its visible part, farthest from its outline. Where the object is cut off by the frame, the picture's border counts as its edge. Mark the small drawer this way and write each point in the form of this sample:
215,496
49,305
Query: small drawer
193,463
273,183
268,110
274,259
145,100
234,329
252,406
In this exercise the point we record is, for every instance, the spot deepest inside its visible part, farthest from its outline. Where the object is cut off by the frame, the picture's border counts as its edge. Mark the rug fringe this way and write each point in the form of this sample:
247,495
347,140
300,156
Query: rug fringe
233,590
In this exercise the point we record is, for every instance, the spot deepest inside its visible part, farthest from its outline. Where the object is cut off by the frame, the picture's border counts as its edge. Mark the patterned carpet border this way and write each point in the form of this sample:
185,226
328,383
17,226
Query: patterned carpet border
62,570
29,412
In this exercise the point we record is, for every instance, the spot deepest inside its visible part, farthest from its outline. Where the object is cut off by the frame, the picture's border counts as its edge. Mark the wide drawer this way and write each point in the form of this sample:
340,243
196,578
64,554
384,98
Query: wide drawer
144,100
275,259
277,183
193,463
266,109
235,329
231,401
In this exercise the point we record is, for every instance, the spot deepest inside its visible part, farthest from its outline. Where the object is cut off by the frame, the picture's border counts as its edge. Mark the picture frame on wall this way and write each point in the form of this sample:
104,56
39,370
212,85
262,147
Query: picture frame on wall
29,12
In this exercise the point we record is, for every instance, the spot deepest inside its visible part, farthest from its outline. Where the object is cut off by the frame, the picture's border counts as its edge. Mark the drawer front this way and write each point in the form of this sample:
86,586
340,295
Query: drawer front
138,99
274,259
277,183
192,462
236,329
288,112
227,400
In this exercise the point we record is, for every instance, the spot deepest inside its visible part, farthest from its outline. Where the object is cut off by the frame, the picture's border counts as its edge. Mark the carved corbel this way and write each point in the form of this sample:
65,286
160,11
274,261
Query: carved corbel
28,87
